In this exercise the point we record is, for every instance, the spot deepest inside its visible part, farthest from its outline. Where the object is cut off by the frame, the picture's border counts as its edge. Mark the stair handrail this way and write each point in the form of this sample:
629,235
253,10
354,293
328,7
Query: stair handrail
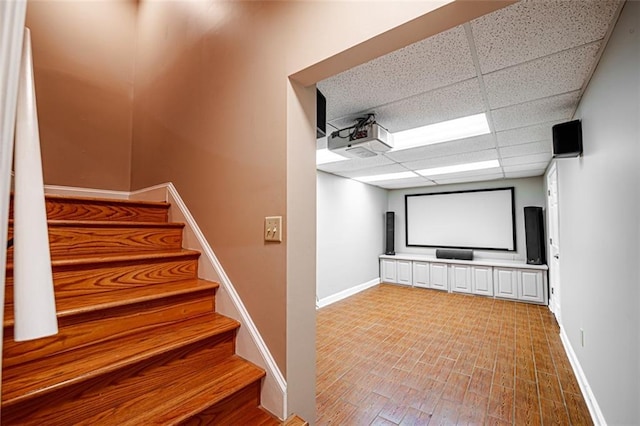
33,301
12,20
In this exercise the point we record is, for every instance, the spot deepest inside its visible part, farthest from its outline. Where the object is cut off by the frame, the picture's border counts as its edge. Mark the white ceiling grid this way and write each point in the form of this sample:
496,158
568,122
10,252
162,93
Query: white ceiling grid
525,66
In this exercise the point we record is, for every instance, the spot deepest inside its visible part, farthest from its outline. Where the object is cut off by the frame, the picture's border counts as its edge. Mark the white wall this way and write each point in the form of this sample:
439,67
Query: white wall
528,192
599,228
350,233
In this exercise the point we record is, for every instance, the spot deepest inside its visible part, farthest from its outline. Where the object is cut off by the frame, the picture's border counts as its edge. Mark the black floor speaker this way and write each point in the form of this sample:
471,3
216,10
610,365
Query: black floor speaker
534,235
390,220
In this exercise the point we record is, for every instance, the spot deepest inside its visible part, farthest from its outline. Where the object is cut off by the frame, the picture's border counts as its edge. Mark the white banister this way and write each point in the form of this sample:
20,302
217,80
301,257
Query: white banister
12,18
34,303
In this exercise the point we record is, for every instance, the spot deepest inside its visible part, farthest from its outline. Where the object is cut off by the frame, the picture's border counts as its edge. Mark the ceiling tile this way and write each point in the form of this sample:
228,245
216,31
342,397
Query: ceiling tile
554,108
354,164
435,62
469,179
525,149
559,73
531,29
450,160
371,171
526,159
477,143
537,132
455,101
526,167
524,173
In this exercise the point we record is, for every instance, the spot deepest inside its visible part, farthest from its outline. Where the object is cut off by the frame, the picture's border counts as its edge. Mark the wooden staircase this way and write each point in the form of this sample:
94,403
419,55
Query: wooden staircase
140,342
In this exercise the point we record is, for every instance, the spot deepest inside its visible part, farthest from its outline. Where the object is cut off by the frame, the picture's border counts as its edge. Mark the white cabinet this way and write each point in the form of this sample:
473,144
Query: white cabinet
461,278
531,286
421,274
522,282
482,280
505,281
438,276
403,272
388,270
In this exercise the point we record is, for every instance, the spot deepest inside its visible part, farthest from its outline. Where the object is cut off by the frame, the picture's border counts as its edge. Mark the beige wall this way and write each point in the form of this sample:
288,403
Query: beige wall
83,56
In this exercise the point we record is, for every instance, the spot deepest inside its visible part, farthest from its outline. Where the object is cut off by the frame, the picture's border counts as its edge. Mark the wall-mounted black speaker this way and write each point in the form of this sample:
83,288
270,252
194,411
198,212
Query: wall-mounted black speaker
567,139
321,115
390,226
534,235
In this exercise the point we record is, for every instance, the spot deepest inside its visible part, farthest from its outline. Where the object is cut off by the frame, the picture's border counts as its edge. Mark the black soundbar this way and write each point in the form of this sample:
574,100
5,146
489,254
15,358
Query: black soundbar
460,254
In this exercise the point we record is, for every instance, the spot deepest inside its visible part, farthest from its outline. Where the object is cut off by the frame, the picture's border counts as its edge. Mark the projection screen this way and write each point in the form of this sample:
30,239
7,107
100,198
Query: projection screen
479,219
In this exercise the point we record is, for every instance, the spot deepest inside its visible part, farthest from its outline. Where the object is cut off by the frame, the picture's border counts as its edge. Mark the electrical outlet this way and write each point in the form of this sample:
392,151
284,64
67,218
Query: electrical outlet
273,228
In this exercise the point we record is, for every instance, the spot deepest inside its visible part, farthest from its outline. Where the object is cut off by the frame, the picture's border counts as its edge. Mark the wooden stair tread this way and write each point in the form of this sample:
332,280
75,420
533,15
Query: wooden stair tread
180,387
110,299
104,258
189,394
44,375
108,224
128,202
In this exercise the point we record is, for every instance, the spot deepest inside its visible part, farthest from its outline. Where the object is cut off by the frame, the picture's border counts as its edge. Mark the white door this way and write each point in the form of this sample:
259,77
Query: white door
554,243
420,274
388,270
482,280
505,282
438,276
403,271
461,278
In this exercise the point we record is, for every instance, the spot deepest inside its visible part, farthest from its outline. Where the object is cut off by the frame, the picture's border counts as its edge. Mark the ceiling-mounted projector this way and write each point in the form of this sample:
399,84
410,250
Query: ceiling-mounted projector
365,139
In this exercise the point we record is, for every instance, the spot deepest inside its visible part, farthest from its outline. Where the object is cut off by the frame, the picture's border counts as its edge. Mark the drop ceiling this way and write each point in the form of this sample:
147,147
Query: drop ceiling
525,66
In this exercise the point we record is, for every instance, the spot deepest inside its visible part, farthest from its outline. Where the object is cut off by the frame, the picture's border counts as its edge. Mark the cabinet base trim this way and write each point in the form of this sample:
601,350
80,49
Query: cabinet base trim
326,301
589,397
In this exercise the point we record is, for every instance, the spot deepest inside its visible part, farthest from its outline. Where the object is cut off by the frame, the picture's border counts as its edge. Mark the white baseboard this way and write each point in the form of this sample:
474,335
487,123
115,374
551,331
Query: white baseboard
346,293
249,342
589,397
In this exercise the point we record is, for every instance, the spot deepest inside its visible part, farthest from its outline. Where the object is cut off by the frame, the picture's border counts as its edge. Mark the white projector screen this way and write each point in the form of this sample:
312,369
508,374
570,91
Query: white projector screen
479,219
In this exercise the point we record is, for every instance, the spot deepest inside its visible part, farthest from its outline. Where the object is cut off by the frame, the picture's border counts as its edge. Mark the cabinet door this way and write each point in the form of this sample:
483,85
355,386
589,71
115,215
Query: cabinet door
438,276
421,274
461,278
505,282
403,271
531,286
482,281
388,270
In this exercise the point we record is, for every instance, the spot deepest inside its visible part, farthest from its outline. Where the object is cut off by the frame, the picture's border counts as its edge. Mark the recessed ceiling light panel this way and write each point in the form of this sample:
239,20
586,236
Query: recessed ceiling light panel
480,165
459,128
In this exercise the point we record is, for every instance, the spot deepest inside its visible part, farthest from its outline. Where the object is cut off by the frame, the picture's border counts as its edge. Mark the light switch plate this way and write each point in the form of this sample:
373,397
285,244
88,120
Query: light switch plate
273,228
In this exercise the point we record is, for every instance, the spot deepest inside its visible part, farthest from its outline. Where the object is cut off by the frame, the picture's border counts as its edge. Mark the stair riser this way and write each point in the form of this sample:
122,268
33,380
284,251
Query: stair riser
90,328
101,210
229,411
70,404
70,282
67,241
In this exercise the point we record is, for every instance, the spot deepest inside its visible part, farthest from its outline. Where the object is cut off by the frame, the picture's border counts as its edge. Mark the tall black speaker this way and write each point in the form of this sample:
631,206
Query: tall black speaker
534,235
390,219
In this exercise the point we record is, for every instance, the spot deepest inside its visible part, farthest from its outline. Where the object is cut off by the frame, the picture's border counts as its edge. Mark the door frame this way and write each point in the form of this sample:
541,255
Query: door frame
553,241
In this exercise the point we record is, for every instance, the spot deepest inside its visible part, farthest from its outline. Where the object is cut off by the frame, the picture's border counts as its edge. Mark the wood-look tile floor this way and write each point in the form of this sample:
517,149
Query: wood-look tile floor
394,355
